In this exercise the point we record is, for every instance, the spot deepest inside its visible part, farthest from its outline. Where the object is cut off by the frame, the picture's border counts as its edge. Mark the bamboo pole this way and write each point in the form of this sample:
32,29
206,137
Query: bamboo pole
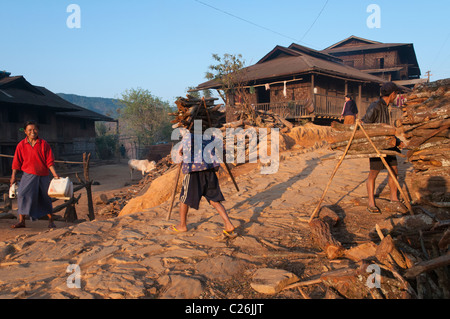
60,162
169,214
334,173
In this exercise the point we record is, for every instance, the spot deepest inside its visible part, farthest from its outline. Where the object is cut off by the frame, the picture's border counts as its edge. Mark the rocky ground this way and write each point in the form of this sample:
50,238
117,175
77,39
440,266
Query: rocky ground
137,256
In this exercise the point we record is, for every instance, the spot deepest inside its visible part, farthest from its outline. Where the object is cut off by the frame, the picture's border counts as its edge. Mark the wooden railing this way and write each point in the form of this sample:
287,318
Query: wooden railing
325,105
288,110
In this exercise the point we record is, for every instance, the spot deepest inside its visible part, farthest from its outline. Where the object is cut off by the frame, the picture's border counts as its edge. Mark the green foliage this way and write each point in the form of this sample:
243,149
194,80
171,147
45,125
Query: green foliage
228,71
145,117
106,144
199,94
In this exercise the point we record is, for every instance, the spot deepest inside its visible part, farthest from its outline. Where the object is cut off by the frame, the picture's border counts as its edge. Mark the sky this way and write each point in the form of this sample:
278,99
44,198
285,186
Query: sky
166,46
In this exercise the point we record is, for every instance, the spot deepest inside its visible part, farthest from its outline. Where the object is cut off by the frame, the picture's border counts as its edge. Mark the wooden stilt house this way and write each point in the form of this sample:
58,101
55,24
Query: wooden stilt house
298,82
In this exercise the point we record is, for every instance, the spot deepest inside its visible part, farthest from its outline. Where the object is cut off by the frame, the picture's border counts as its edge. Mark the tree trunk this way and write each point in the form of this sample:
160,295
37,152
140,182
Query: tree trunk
382,143
429,265
388,254
321,234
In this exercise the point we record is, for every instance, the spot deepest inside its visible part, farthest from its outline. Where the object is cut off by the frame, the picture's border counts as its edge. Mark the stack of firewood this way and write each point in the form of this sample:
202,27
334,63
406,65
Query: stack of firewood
262,123
382,135
411,253
190,109
261,119
425,128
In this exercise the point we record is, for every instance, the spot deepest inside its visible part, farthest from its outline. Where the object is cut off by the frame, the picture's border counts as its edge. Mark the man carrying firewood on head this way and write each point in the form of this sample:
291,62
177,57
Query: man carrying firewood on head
200,166
378,112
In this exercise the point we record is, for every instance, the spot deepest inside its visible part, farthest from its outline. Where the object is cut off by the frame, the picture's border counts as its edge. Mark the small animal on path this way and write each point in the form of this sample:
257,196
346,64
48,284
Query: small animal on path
145,166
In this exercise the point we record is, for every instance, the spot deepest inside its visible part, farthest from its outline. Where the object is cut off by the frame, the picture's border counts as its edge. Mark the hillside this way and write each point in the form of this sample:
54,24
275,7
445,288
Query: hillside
105,106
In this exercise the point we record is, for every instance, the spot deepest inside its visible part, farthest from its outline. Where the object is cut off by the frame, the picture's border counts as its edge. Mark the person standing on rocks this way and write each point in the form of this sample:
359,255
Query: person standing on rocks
200,180
378,112
34,157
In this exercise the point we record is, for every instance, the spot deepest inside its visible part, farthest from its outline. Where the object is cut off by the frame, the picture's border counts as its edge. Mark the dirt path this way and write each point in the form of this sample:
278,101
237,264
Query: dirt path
136,256
115,179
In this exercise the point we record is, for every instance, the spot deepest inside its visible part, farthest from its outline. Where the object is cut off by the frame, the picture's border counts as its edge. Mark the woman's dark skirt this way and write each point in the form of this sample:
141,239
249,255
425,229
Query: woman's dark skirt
32,196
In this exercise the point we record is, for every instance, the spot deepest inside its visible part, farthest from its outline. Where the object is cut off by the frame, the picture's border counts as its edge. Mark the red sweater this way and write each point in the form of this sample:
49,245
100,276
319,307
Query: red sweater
33,160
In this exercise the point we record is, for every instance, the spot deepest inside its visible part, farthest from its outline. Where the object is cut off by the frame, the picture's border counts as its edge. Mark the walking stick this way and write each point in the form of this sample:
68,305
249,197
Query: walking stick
391,173
334,173
231,175
169,214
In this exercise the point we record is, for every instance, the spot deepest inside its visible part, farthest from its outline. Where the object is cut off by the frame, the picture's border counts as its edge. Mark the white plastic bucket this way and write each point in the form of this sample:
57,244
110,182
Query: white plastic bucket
61,188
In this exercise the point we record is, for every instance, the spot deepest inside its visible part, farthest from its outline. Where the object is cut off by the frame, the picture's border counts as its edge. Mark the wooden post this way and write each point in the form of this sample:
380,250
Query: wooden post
88,182
359,97
313,96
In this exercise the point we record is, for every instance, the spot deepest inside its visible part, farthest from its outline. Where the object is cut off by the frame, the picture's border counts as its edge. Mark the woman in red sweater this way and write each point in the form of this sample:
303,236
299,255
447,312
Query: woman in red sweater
34,157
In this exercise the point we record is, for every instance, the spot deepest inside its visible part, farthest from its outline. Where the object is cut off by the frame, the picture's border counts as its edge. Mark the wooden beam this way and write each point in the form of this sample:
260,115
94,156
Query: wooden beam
359,96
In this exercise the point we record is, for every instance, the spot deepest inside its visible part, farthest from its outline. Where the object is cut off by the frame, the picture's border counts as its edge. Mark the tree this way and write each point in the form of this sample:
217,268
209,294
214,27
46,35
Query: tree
145,117
204,93
106,143
229,72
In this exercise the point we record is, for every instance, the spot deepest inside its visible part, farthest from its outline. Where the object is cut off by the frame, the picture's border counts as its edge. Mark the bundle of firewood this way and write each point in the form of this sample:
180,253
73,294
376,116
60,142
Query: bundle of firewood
261,119
191,109
262,123
411,253
425,129
383,137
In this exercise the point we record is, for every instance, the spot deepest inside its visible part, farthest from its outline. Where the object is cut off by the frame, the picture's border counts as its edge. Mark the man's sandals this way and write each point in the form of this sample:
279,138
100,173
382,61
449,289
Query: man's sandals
18,225
230,234
51,225
374,210
227,234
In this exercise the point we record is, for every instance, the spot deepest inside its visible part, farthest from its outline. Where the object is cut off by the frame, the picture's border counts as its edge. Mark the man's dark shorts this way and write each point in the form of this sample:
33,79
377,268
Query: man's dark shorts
199,184
376,164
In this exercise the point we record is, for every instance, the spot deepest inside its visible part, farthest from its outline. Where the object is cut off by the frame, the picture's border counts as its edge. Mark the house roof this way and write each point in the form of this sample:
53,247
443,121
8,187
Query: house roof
296,50
366,47
351,39
17,90
361,45
285,62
